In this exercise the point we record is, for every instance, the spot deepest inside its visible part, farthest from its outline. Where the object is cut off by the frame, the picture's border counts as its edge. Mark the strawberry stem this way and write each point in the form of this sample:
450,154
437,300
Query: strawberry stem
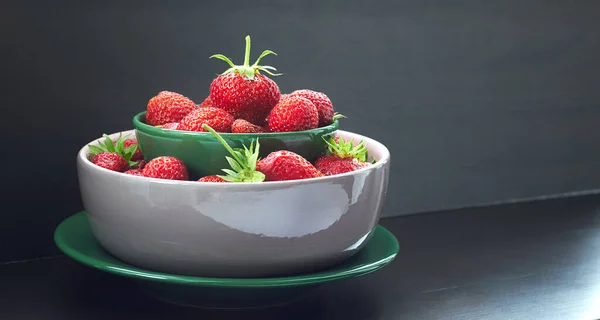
247,53
224,143
247,70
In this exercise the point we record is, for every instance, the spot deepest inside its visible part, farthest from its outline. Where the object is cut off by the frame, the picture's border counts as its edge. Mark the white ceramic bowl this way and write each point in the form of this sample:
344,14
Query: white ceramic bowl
234,229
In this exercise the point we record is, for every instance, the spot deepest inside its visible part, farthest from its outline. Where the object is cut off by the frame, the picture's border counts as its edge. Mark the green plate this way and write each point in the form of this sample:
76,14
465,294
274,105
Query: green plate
74,237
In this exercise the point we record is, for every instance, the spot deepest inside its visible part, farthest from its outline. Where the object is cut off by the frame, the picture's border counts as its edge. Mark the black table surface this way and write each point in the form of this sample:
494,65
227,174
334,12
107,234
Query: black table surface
538,260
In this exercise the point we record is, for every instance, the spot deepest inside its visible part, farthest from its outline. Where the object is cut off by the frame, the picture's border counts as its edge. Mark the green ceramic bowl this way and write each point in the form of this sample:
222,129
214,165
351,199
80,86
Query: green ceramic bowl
204,155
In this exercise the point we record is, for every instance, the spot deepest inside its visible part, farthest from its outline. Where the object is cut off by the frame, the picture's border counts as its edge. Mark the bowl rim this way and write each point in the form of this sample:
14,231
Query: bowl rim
382,161
138,124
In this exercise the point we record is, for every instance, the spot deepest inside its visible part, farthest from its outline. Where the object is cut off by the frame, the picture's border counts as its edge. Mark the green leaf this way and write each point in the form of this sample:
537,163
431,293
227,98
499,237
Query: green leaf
224,58
361,152
131,149
269,72
239,156
234,164
120,145
331,145
109,144
337,116
262,55
253,158
268,68
246,150
229,178
229,172
94,150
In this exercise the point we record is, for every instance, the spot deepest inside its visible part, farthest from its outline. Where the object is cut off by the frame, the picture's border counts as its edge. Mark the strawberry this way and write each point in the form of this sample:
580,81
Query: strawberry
321,101
166,167
293,114
243,126
219,119
168,107
243,91
113,155
342,156
137,155
332,165
242,161
206,103
286,165
211,179
134,172
284,96
169,126
111,161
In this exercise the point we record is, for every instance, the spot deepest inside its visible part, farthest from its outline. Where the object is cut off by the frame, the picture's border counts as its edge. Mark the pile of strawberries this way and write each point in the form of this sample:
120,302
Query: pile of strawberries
241,100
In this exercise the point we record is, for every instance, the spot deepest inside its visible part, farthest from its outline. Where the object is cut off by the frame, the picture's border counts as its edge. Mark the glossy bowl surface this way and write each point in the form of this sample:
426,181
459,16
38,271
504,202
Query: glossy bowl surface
235,229
204,155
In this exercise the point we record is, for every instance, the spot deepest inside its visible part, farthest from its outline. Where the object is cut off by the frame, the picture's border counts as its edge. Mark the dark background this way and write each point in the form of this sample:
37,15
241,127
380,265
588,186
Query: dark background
478,102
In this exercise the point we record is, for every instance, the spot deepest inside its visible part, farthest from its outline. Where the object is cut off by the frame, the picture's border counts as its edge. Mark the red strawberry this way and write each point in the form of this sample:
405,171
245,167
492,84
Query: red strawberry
134,172
293,114
211,179
137,155
165,167
168,107
342,156
332,165
242,161
216,118
243,126
111,161
206,103
284,96
286,165
243,91
321,101
113,155
169,126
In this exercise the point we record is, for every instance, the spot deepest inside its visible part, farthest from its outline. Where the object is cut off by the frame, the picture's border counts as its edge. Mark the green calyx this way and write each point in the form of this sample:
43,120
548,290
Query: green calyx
347,149
247,70
108,145
242,161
